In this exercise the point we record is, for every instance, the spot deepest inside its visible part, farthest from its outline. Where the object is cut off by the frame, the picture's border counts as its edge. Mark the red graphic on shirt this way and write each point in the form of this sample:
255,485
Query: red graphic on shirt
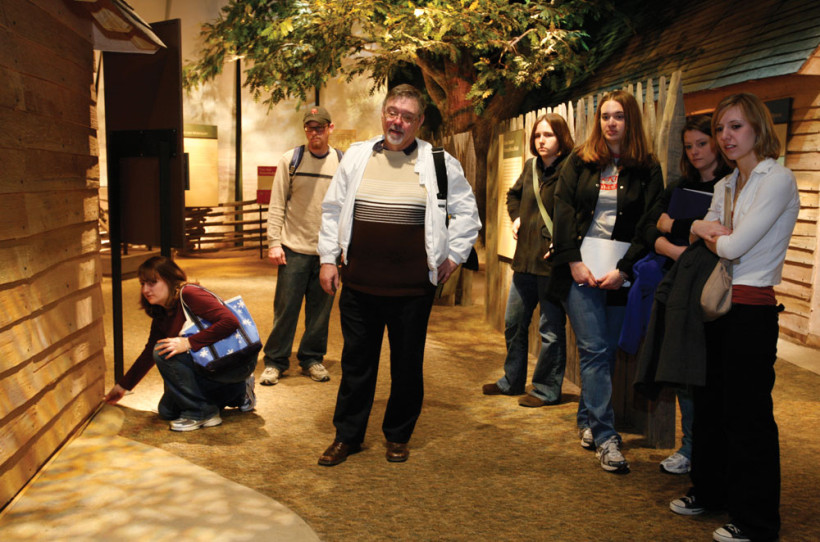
609,183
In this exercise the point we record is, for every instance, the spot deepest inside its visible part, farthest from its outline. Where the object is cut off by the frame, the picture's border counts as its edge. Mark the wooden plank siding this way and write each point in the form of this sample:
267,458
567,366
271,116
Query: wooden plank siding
772,50
768,38
51,307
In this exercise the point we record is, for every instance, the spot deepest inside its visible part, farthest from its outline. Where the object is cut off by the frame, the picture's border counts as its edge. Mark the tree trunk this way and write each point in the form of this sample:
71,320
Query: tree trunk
448,85
483,134
500,107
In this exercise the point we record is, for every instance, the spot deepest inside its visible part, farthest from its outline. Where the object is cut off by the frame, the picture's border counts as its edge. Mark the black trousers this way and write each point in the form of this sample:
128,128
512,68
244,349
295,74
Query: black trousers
364,318
736,449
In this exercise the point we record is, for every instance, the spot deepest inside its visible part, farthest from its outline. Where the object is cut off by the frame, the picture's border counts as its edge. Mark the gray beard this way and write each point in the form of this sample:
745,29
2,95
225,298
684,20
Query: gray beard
394,140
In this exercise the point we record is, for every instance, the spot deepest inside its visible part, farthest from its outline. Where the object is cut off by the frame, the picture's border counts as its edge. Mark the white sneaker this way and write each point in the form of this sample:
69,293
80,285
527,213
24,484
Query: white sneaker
317,372
587,442
612,460
250,396
676,463
270,376
187,424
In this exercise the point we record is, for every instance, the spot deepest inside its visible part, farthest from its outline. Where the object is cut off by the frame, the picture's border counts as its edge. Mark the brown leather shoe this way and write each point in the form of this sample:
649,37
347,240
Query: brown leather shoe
338,452
397,452
534,402
493,389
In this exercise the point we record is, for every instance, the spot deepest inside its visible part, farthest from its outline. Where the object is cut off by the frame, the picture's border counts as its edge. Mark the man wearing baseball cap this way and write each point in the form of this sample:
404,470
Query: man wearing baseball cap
294,217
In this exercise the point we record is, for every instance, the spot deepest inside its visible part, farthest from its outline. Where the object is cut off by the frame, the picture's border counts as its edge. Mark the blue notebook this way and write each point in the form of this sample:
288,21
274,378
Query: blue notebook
688,203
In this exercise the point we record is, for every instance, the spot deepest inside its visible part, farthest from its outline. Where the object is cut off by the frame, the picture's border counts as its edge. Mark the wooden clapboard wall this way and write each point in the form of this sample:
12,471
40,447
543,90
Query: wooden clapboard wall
770,50
51,326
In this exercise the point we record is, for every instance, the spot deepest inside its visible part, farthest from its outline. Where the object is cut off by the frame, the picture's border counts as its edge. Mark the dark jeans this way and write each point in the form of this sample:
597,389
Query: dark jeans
527,292
736,451
189,394
297,280
364,318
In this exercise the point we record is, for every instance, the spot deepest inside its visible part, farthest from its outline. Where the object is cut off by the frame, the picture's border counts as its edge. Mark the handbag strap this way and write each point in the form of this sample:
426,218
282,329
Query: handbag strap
728,198
537,191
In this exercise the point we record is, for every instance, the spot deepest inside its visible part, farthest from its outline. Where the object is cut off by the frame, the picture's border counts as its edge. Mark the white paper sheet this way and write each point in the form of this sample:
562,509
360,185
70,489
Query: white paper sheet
602,255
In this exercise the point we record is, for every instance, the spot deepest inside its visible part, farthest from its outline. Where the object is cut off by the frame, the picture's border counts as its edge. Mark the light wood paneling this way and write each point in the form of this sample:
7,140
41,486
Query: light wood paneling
51,333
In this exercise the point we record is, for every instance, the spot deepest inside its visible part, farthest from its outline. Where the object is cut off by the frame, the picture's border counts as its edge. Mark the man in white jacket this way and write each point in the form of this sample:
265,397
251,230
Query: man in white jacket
382,215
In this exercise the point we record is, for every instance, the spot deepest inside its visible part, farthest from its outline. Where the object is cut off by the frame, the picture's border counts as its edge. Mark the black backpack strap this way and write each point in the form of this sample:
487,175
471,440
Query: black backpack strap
298,152
441,177
441,171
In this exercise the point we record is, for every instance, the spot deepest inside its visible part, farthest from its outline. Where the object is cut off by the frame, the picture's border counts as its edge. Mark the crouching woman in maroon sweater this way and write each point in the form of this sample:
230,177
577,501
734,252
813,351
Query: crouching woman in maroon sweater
190,400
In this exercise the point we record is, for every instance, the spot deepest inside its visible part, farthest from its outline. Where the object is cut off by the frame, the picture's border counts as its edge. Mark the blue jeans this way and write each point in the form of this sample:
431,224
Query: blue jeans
527,291
687,416
189,394
597,327
296,280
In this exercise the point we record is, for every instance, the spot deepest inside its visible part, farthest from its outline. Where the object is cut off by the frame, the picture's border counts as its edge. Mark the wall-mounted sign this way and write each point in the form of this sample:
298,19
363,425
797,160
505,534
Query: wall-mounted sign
264,182
513,153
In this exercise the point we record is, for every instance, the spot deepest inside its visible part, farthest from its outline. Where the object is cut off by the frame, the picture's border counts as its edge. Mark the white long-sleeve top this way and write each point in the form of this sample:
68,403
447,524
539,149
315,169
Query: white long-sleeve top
763,220
441,242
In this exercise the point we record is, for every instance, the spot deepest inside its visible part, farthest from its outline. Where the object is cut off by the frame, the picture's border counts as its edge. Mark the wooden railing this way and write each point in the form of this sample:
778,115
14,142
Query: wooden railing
239,225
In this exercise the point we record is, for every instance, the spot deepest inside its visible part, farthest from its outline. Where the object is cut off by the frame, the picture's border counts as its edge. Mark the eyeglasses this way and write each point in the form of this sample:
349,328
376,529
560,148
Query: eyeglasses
392,114
317,128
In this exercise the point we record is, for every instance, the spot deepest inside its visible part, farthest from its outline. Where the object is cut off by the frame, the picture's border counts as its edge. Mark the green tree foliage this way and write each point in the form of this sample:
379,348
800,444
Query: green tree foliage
479,58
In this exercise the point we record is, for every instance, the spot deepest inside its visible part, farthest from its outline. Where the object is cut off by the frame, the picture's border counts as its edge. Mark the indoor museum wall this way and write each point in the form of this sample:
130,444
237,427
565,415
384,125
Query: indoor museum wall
266,134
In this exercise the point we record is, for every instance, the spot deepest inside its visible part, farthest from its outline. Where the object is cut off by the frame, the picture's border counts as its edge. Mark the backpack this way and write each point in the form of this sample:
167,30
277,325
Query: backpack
298,153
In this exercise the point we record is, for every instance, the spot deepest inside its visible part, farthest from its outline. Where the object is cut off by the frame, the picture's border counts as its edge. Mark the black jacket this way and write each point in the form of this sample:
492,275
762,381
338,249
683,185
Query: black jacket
533,238
575,198
674,350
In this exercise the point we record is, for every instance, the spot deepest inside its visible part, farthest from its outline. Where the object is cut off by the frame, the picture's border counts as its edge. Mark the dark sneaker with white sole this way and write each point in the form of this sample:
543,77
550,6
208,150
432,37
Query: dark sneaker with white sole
730,533
687,506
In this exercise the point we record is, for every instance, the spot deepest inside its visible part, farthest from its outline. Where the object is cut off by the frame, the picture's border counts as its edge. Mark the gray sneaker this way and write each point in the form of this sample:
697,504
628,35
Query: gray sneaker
612,460
317,372
676,463
187,424
270,376
249,403
587,442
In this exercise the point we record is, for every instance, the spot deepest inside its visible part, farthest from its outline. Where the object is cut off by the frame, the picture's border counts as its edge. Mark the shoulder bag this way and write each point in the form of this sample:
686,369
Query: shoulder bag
716,297
232,359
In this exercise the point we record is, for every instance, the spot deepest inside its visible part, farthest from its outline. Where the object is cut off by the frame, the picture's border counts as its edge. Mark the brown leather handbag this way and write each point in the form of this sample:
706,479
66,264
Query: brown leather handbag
716,297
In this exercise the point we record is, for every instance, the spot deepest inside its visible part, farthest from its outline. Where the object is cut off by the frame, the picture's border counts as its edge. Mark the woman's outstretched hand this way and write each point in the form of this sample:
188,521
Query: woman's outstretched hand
113,397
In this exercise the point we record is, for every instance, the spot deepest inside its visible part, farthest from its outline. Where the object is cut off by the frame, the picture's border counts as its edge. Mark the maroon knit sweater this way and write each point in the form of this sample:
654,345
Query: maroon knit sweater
169,324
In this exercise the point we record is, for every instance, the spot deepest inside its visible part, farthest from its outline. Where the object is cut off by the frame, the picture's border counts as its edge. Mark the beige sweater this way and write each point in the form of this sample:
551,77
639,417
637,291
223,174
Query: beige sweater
295,210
